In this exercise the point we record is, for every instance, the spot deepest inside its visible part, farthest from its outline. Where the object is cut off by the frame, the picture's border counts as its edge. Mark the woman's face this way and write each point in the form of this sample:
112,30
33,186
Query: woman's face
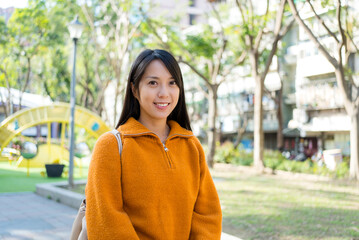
157,93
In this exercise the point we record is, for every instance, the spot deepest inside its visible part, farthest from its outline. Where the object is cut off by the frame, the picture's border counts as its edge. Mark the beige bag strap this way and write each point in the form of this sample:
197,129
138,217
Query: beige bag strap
119,141
79,229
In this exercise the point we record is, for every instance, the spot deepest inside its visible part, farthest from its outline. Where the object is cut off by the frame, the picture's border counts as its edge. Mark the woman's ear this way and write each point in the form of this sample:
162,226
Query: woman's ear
134,92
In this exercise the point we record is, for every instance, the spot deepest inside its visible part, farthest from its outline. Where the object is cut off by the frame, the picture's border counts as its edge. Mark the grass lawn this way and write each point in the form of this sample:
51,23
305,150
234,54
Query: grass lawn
13,179
286,205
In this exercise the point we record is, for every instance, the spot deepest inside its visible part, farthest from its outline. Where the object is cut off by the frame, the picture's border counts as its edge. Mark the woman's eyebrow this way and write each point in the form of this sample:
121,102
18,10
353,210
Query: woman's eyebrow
155,77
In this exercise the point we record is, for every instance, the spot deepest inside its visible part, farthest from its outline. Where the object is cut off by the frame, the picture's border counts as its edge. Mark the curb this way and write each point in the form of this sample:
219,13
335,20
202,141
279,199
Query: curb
61,195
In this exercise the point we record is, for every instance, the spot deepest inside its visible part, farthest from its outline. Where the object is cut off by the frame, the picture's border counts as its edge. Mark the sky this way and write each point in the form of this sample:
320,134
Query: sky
13,3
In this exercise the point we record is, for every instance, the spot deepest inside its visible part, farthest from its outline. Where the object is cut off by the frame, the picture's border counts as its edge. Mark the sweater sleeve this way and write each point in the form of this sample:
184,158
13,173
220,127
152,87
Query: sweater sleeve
207,214
105,216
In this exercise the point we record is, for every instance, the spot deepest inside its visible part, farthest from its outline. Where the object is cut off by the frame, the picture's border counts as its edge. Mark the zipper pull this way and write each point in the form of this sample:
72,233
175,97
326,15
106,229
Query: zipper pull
164,146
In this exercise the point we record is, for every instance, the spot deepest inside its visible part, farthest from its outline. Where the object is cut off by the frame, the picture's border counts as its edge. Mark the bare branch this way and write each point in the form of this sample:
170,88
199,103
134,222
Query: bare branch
316,42
352,42
206,80
265,16
199,88
341,30
277,37
258,39
241,10
350,76
239,61
356,102
287,28
250,17
322,21
217,65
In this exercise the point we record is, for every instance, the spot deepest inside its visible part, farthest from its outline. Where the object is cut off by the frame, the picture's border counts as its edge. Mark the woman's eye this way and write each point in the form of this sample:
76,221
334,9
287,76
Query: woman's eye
152,83
173,83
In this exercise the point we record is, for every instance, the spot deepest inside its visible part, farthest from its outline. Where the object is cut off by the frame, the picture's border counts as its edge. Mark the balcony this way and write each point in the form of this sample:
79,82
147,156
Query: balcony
313,66
319,95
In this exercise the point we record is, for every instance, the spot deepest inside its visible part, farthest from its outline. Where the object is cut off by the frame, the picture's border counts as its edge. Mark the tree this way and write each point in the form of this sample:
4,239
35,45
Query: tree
52,72
346,48
111,27
205,49
254,36
6,68
28,34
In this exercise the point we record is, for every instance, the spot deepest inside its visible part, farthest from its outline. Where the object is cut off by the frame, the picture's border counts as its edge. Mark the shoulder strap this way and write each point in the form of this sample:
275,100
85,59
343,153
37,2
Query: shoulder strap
119,141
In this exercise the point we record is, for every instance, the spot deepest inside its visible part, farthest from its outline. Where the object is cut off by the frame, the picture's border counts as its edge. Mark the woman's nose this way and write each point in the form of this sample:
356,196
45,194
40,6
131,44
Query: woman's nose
163,91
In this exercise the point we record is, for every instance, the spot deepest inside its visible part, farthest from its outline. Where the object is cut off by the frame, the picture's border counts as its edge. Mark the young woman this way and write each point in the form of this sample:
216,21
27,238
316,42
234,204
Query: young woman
160,186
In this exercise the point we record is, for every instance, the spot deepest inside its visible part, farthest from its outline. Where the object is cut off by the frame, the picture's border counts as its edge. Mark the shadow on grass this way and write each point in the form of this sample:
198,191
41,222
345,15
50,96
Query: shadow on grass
296,223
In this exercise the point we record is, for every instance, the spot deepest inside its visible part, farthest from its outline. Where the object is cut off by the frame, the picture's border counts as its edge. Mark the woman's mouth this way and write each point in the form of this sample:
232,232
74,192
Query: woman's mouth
161,105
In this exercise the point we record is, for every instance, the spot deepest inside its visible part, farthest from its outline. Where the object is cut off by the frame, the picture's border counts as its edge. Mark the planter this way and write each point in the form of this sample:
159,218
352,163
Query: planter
54,170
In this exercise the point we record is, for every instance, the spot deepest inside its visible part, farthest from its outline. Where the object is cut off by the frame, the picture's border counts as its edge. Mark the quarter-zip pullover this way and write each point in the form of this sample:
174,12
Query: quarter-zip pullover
155,191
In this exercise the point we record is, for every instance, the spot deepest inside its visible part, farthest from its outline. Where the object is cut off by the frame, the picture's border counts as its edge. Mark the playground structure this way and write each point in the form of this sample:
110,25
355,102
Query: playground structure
12,127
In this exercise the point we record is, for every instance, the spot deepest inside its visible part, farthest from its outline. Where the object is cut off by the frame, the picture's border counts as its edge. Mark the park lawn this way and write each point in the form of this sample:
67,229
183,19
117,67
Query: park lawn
13,179
286,205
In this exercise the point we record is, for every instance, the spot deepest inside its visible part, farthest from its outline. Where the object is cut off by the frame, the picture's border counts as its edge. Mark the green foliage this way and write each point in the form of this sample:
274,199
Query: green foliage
225,153
274,160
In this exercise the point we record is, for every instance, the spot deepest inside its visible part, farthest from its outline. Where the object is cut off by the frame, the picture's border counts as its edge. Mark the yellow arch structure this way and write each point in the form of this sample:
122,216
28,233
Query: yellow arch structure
56,112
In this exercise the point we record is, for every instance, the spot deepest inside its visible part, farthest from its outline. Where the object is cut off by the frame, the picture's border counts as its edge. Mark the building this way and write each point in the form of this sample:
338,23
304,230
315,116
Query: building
319,119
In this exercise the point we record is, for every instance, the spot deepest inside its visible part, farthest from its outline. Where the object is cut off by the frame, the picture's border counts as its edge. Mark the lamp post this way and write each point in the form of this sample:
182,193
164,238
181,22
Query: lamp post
75,29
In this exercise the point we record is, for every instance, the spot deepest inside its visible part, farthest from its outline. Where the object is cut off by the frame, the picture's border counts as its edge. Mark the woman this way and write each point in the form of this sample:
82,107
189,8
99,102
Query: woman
160,186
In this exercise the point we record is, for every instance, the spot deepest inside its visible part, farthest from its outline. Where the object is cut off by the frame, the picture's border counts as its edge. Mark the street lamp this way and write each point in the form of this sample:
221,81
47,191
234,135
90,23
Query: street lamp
75,29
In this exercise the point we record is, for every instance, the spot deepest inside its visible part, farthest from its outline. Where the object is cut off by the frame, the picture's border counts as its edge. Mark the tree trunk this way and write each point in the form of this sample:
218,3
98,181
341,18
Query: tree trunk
258,126
241,130
27,80
258,113
354,145
212,116
280,140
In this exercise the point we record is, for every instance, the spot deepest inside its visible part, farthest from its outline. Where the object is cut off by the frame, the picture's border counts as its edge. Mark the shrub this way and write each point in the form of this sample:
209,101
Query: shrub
273,159
342,170
226,153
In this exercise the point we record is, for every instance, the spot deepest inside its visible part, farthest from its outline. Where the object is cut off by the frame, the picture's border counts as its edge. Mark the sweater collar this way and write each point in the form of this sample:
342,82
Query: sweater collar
134,127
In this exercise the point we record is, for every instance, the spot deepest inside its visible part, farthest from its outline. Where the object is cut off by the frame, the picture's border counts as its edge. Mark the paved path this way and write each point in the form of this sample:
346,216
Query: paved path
27,216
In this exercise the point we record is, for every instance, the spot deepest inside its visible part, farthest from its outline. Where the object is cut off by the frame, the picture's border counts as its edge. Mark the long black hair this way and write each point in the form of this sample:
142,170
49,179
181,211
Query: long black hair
131,106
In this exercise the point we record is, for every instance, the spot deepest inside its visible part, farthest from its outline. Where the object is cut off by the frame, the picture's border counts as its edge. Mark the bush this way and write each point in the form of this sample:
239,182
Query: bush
273,159
226,153
342,170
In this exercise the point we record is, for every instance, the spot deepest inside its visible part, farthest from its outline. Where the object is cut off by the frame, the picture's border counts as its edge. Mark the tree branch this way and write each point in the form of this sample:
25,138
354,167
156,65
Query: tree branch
241,10
341,30
316,42
239,61
277,37
194,69
322,21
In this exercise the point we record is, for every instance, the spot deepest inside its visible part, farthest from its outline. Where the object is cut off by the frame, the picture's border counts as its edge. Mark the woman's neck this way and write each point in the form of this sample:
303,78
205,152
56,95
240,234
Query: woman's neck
160,128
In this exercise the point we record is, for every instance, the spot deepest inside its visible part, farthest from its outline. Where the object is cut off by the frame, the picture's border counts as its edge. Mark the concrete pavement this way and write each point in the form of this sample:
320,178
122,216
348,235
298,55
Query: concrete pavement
25,216
28,216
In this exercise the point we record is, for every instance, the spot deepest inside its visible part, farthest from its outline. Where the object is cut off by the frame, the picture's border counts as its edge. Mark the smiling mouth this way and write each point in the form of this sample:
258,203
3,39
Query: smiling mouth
162,104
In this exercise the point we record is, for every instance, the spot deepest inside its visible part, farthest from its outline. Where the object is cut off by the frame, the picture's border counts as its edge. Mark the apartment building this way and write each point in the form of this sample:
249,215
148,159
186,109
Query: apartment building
319,119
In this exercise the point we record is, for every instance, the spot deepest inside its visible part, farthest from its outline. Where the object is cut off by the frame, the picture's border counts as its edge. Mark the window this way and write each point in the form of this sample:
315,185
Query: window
192,19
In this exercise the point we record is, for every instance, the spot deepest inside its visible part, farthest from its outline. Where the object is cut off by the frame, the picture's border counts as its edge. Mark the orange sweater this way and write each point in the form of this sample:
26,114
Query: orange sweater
155,192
